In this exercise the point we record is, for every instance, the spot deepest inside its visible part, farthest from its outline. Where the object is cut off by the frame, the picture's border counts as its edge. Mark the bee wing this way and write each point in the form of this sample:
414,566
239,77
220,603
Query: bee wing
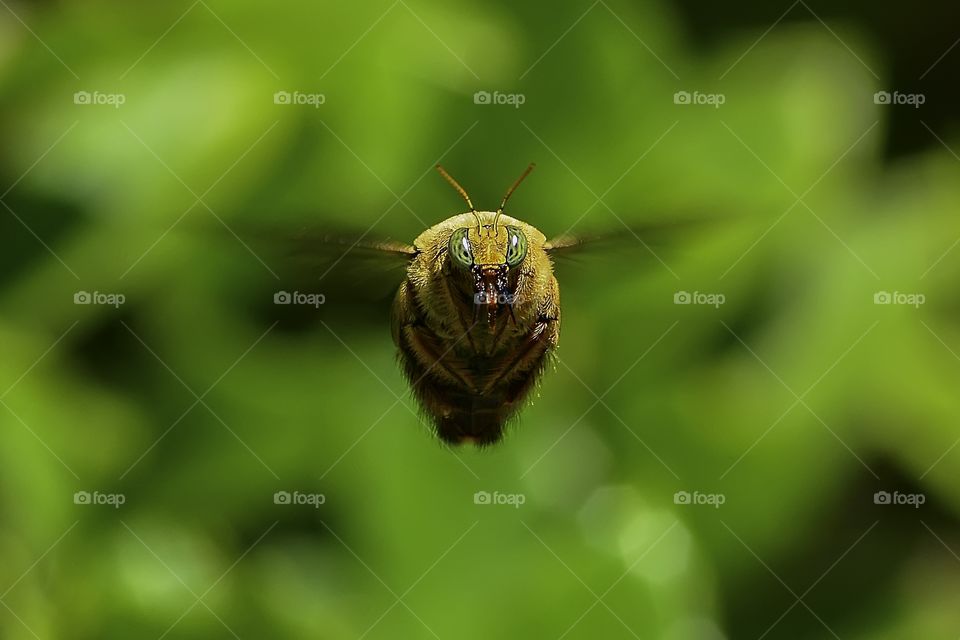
355,264
568,243
650,239
628,249
327,250
357,272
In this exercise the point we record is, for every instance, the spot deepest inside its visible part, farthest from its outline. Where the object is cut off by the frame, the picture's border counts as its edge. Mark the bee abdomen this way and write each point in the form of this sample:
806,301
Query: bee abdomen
477,419
475,405
469,393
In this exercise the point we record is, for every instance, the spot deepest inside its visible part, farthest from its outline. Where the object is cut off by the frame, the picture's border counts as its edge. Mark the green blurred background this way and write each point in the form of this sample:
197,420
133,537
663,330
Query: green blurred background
688,471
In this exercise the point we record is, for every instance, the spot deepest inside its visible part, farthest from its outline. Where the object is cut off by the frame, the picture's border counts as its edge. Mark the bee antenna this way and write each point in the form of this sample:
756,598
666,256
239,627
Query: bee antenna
462,192
510,191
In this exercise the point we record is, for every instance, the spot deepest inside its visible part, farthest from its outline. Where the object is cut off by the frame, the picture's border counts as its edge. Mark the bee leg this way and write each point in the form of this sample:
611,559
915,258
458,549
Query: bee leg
454,410
419,345
463,323
422,346
503,327
529,359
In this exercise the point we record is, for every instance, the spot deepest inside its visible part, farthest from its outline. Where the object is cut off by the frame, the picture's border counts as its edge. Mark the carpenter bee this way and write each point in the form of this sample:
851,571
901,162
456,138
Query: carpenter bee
476,319
476,316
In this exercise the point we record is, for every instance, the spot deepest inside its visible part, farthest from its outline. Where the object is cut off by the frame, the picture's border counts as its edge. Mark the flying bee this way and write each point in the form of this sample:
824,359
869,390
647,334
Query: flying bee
476,319
476,316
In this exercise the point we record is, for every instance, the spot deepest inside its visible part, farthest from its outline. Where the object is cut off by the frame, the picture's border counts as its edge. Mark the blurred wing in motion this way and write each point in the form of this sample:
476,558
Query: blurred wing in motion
357,274
357,266
326,252
650,241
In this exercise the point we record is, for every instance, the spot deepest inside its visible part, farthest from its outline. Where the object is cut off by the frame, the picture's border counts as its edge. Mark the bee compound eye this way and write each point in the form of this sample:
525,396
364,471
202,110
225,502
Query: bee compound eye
460,249
516,246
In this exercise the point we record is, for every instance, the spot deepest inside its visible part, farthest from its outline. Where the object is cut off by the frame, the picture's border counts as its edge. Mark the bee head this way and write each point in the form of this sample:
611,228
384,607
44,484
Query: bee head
488,250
